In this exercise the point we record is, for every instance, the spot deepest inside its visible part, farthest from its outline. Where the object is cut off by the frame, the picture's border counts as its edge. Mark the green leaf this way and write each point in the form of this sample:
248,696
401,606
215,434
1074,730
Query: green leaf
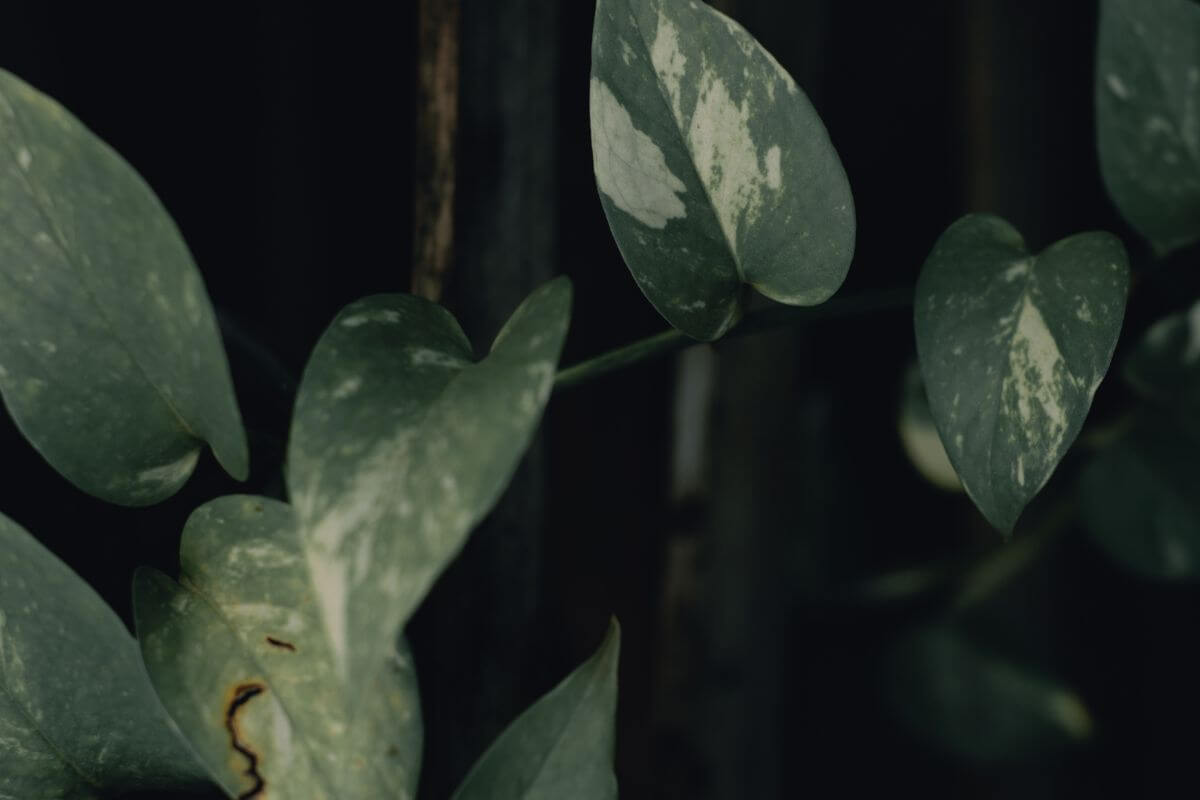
78,719
276,652
1148,115
962,699
111,363
1165,367
239,653
713,168
562,746
1140,500
1012,348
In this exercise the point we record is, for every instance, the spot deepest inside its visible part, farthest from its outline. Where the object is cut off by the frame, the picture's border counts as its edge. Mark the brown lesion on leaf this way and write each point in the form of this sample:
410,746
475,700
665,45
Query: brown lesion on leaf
281,644
238,697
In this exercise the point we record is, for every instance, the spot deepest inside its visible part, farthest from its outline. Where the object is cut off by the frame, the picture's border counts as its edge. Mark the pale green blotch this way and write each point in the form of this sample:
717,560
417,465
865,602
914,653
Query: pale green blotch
630,168
1012,348
748,189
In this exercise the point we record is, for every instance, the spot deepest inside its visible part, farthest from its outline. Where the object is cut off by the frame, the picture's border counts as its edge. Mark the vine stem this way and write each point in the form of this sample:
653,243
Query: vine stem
779,316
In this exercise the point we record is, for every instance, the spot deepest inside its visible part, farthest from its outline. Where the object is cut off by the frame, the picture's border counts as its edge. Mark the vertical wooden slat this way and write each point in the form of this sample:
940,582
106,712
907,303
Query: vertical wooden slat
437,133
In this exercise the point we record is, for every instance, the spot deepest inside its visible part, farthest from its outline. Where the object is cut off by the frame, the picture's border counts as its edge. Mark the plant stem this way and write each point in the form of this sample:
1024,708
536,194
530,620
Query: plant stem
779,316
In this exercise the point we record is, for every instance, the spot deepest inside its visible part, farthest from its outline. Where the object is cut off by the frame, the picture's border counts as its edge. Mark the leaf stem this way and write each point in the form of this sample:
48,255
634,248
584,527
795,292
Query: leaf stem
778,316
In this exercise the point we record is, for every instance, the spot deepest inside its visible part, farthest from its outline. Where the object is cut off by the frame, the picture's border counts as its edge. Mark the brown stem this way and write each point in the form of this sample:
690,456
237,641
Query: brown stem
437,132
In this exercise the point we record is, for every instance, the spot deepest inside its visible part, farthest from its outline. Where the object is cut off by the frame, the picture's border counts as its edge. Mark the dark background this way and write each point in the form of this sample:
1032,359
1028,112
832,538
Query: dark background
281,139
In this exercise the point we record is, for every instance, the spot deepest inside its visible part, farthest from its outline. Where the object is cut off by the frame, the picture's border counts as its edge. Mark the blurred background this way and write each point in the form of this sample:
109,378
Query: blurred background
804,614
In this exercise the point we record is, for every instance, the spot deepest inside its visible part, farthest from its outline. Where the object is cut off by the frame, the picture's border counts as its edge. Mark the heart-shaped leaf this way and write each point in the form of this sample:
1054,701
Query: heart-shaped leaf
965,700
562,746
78,719
1148,115
276,654
714,169
111,363
1012,348
1141,500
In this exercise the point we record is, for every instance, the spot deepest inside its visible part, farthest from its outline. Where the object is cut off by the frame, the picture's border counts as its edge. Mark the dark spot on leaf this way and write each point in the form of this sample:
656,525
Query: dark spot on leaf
281,644
243,694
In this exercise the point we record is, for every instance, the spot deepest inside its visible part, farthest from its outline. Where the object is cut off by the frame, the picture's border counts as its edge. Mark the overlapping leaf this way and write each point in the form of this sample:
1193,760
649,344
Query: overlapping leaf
1148,115
1012,348
276,654
111,363
713,168
1165,367
562,746
78,719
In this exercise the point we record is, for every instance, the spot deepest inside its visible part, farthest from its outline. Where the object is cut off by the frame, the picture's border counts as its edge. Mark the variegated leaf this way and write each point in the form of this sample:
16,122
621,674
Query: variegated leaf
713,168
561,746
239,653
1148,115
111,363
274,653
919,435
1012,348
78,719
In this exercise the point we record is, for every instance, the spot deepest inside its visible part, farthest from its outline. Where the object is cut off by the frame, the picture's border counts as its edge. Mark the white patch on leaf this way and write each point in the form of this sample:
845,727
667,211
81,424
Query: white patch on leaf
669,62
24,158
1036,375
630,168
170,474
726,157
1117,86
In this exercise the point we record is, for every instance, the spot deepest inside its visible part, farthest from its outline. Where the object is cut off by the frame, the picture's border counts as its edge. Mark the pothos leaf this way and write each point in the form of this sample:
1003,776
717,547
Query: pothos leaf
78,719
713,168
1012,348
276,652
1148,115
111,363
562,746
239,653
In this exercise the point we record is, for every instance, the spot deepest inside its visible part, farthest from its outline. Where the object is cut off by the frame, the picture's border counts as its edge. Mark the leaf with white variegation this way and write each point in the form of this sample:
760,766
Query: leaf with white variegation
78,719
111,363
275,651
713,168
239,655
1012,347
562,745
1148,115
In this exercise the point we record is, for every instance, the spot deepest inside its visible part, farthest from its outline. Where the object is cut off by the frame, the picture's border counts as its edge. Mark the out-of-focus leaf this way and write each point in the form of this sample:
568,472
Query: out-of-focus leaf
111,363
1012,348
713,168
276,652
562,746
963,700
1165,367
78,719
1140,500
919,435
1148,115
